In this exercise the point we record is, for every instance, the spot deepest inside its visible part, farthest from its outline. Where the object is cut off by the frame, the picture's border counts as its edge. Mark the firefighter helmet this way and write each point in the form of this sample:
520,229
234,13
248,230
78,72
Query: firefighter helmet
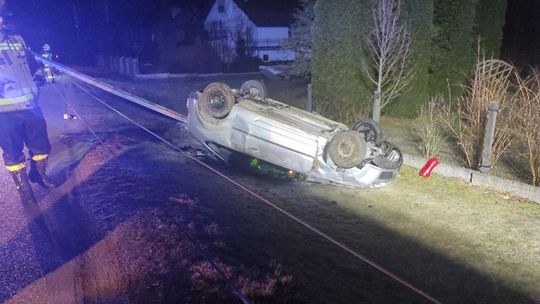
46,47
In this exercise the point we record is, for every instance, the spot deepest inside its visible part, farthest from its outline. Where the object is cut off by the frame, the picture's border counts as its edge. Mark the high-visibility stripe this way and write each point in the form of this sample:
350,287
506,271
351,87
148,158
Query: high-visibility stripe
10,46
16,167
39,157
13,100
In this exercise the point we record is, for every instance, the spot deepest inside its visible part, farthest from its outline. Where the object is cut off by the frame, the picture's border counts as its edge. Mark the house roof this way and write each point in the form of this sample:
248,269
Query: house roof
269,12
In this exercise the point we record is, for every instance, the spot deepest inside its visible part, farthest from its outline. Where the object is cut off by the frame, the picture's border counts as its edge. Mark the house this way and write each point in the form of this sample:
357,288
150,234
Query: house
257,28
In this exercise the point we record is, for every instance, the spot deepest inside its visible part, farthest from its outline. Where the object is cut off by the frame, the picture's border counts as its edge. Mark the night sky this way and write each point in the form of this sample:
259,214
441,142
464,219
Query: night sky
80,27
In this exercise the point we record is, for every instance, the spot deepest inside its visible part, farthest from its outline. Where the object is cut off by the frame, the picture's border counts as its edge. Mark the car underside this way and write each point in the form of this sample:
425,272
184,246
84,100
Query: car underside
317,148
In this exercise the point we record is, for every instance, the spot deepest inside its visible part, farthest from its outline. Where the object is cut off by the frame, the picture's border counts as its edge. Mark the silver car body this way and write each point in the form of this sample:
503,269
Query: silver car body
284,136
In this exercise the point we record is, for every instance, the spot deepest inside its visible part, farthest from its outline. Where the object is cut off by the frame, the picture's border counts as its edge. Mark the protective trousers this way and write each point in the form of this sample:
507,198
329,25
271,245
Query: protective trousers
21,128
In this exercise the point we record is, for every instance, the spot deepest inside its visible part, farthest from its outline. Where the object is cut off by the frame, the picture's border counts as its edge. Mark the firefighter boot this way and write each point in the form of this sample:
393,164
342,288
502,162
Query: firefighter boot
41,168
23,187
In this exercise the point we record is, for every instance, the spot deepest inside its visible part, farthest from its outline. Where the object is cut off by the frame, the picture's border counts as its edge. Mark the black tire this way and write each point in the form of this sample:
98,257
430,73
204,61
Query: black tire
216,101
347,149
392,158
371,130
254,89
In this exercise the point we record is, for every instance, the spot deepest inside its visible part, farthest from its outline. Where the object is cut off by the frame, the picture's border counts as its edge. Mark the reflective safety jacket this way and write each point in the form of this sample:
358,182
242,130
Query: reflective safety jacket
18,90
47,55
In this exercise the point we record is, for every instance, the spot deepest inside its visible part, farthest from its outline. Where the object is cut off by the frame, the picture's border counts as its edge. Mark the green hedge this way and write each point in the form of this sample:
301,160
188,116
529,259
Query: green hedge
336,71
420,15
454,42
445,34
489,23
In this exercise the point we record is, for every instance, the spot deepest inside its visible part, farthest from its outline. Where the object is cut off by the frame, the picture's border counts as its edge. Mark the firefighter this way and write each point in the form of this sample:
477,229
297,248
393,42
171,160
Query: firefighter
47,71
21,119
46,52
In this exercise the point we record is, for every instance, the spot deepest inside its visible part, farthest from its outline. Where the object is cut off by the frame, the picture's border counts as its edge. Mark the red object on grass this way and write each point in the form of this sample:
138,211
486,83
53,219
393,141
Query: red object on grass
429,166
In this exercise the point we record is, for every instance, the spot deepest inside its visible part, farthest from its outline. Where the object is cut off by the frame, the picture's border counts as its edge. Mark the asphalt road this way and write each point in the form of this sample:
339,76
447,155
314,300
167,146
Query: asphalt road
58,251
28,250
75,245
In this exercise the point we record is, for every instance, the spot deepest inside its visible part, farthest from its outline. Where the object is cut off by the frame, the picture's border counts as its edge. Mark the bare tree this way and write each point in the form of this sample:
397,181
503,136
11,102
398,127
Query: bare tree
387,51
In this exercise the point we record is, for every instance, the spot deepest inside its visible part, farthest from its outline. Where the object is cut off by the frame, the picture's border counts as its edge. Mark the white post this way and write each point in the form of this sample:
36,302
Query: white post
309,105
129,70
111,63
116,60
135,67
122,65
376,114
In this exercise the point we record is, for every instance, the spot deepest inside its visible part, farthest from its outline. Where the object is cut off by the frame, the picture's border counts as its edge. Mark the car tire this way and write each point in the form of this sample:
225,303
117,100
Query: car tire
347,149
371,130
216,101
254,89
392,158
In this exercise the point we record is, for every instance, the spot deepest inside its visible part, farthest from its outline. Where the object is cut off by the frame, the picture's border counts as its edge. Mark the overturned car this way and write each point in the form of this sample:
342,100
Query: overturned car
245,120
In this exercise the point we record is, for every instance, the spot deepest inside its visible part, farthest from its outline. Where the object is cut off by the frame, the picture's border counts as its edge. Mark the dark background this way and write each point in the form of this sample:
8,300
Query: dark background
79,30
521,43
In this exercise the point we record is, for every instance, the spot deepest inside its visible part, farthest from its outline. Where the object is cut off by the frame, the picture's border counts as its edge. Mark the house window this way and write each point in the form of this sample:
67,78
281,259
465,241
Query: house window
215,26
221,6
265,58
248,35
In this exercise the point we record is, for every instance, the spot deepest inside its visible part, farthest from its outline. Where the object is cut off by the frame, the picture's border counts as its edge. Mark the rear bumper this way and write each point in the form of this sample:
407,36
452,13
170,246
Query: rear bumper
366,176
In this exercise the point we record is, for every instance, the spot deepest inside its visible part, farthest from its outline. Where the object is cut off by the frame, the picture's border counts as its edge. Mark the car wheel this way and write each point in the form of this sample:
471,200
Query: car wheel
371,130
392,158
216,101
347,149
254,89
